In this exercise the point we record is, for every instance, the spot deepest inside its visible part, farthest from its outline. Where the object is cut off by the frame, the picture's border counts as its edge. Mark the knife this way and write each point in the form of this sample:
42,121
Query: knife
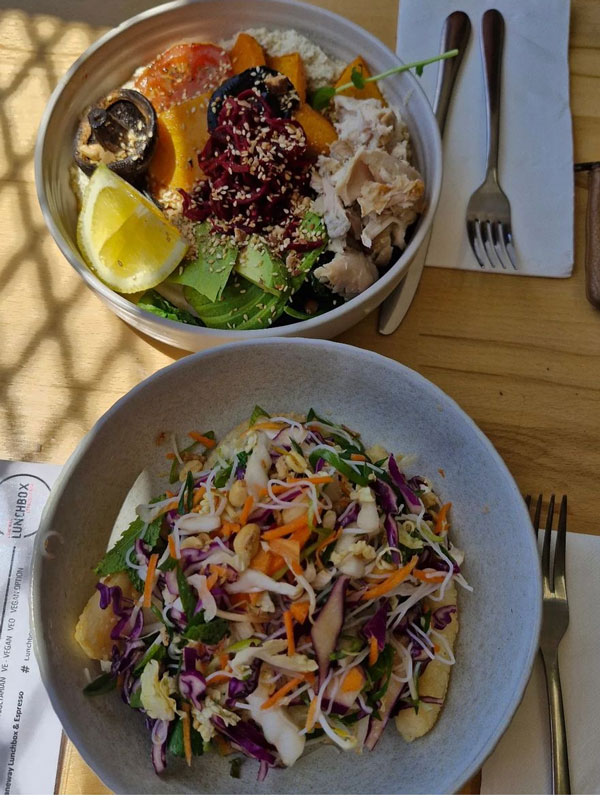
592,232
455,34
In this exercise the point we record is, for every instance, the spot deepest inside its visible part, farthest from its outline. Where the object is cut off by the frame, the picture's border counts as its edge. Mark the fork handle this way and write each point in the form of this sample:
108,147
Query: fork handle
561,781
492,43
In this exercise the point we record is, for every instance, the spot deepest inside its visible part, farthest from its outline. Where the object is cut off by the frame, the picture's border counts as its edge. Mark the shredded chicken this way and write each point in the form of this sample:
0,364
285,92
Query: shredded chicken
368,193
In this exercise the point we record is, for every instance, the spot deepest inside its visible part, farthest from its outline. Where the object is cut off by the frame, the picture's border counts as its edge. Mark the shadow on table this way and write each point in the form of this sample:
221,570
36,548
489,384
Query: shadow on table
44,309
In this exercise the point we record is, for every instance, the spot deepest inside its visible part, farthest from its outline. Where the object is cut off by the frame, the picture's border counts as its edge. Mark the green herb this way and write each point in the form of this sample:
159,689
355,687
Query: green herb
169,564
242,458
175,744
379,674
426,621
242,644
186,593
158,305
323,96
156,651
257,413
235,767
137,582
357,476
115,559
189,491
101,685
222,477
296,447
135,699
208,632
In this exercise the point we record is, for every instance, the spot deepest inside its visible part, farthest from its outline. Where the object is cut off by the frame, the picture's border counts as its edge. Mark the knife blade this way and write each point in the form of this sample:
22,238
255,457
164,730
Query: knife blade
455,34
592,232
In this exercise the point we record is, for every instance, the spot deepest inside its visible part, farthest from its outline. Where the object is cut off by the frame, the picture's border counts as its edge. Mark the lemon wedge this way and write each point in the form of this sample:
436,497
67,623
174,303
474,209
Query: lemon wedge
124,237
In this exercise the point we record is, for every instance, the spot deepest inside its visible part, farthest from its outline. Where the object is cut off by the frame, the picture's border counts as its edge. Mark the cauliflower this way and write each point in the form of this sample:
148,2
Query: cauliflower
155,694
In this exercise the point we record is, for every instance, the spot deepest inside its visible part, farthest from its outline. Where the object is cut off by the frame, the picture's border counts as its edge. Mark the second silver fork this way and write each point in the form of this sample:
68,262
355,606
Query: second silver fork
488,213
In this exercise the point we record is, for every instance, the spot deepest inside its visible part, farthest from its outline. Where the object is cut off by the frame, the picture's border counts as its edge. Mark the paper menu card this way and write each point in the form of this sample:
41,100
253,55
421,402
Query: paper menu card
30,732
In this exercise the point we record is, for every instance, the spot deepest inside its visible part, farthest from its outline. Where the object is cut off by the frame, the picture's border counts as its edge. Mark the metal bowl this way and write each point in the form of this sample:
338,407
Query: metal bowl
111,61
387,403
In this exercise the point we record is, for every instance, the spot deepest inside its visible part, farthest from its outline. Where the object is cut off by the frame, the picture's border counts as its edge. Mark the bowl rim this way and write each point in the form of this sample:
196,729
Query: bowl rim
126,307
345,351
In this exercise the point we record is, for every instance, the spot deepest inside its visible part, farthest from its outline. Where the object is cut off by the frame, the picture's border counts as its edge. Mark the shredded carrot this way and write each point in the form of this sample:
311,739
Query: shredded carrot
280,693
310,677
267,426
245,512
223,659
149,585
302,535
213,679
426,576
170,456
283,530
441,523
436,648
201,439
357,457
287,548
255,597
227,528
312,479
299,611
262,561
335,535
390,583
373,650
310,717
354,680
172,546
297,568
211,580
289,632
169,493
187,733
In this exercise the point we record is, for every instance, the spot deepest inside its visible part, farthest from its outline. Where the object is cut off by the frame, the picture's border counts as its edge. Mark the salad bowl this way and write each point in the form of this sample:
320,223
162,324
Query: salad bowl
391,405
110,62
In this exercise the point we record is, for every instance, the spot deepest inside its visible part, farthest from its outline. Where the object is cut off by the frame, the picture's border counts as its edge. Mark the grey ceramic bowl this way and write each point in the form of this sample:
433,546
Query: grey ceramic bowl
110,61
388,403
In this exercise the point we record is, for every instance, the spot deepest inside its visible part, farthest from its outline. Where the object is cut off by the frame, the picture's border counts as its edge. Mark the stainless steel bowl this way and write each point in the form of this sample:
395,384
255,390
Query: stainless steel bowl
111,61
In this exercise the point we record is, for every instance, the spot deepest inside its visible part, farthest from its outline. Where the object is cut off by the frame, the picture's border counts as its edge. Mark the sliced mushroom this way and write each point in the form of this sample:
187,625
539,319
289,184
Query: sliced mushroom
119,130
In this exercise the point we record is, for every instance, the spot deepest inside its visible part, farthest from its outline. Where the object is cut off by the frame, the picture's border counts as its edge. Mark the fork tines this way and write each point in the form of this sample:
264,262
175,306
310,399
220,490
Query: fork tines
554,579
491,242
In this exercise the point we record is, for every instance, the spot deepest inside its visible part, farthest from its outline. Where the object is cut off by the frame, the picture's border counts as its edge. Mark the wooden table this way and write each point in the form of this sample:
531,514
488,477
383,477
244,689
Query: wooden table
520,355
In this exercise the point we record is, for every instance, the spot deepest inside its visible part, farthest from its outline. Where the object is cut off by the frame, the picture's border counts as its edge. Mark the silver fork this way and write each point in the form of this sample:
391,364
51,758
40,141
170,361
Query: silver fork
555,622
488,213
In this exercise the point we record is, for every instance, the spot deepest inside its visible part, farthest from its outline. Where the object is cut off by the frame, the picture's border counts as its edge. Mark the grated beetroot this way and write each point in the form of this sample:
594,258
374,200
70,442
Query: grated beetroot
256,166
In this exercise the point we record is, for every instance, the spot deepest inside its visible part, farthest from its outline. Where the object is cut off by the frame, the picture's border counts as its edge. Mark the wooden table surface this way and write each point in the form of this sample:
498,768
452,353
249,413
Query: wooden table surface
520,355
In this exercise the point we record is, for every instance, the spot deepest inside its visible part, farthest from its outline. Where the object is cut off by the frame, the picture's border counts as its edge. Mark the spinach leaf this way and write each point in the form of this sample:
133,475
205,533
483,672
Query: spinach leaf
158,305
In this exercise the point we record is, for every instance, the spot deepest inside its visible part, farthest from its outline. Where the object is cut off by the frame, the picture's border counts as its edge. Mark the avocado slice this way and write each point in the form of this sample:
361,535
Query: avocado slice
243,306
256,264
209,272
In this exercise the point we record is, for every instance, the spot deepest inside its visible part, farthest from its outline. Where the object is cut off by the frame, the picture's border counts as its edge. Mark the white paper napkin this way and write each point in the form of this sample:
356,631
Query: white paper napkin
536,149
520,764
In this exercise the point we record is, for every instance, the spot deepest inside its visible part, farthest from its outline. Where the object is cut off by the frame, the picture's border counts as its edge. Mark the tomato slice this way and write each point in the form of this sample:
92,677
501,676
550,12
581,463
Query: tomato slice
183,71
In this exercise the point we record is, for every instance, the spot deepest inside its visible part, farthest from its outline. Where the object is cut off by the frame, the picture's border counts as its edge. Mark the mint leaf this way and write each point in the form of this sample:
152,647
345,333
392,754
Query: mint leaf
208,632
175,741
101,685
209,272
257,413
114,560
187,594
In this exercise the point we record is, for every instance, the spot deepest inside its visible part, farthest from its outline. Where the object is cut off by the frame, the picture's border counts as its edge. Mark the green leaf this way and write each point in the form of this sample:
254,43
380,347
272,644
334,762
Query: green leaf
419,69
169,564
358,78
114,560
295,446
174,471
379,673
335,459
101,685
137,582
135,699
156,651
188,491
209,272
187,594
312,227
235,767
175,744
208,632
158,305
222,477
257,413
322,97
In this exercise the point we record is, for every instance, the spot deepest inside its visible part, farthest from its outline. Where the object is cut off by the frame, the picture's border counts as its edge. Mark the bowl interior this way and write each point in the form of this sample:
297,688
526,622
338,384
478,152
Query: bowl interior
388,403
111,61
